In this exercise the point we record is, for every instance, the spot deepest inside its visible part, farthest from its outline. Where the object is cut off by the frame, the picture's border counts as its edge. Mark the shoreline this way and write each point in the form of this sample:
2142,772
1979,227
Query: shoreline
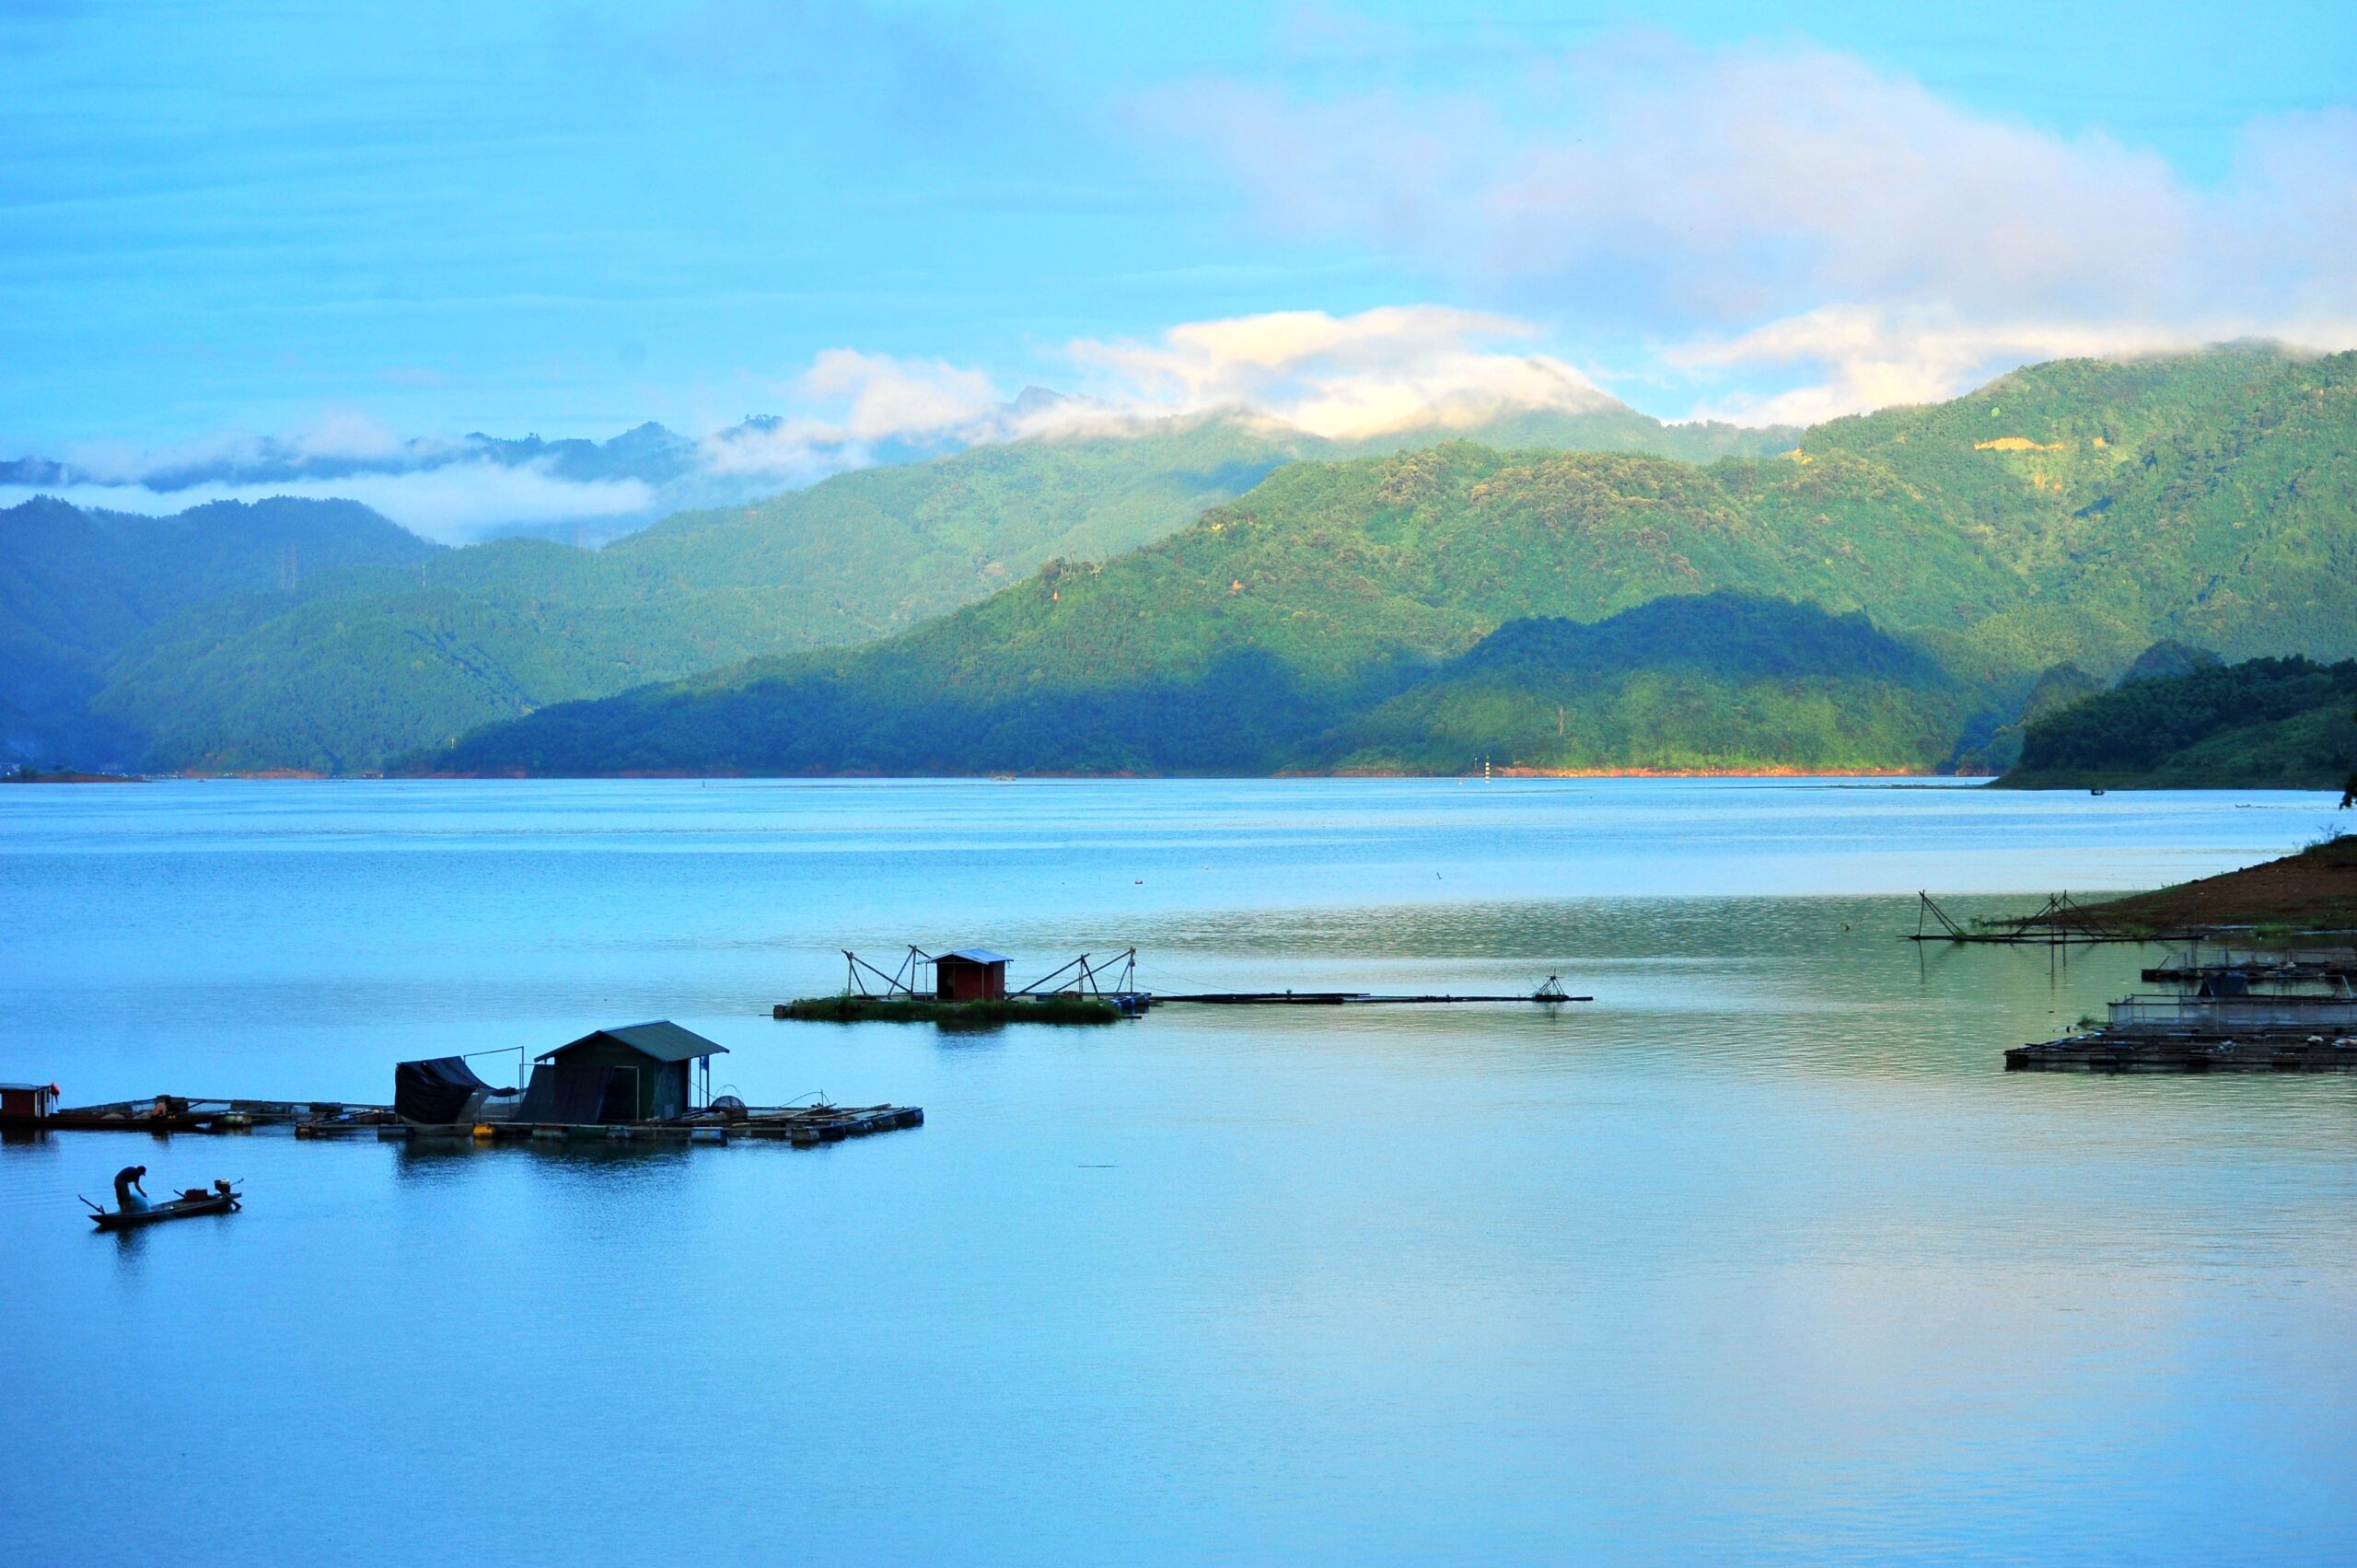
1005,777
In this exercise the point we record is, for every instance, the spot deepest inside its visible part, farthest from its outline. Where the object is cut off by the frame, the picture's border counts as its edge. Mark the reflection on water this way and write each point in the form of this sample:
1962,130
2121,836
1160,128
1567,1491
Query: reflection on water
1757,1257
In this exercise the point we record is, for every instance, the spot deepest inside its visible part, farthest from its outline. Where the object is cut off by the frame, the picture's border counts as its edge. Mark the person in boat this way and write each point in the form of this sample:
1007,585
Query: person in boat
129,1196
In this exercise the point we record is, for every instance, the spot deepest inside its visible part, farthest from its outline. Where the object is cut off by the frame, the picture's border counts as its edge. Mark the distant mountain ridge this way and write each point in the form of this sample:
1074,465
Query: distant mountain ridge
653,454
2073,512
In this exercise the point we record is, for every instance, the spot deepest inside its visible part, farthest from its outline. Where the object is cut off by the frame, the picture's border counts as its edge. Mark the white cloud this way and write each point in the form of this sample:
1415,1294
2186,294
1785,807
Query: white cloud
864,399
1855,358
888,397
1381,370
1733,202
1860,358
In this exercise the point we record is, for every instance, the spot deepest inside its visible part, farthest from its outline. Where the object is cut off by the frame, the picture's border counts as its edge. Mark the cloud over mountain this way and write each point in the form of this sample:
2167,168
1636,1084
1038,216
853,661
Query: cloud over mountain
1393,368
1840,234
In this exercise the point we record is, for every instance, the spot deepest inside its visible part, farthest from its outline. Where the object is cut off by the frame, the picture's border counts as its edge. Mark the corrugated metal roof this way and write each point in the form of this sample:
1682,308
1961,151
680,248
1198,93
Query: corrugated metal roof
975,956
662,1040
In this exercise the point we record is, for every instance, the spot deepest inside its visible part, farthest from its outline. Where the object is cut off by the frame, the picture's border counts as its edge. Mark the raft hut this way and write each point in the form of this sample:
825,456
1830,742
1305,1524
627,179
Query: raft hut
970,974
637,1073
26,1102
967,989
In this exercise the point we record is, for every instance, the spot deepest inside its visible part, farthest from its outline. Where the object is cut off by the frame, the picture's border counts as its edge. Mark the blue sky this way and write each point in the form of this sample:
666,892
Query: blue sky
345,222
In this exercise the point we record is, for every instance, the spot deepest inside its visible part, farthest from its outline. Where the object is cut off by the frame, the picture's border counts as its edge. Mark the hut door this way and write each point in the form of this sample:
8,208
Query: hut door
620,1103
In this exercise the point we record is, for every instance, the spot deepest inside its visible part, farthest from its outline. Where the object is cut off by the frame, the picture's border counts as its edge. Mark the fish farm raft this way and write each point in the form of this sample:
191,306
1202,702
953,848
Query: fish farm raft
967,988
2235,1012
638,1081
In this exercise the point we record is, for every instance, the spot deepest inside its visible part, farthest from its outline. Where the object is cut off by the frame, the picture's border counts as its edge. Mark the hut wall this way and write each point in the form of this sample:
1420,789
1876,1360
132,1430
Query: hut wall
658,1083
958,980
667,1089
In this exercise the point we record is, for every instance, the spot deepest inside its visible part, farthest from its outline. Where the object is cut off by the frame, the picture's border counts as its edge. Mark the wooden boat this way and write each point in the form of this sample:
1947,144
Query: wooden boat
220,1201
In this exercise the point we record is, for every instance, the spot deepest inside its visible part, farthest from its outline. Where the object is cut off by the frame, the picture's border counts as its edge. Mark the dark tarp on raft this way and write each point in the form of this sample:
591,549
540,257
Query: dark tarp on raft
438,1092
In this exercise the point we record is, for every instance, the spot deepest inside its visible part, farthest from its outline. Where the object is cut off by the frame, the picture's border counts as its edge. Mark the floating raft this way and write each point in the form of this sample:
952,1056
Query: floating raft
801,1126
2207,1034
1344,999
2157,1054
184,1113
857,1009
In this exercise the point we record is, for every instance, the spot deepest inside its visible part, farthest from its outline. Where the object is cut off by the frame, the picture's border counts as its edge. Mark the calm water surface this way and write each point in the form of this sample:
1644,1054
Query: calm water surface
1759,1258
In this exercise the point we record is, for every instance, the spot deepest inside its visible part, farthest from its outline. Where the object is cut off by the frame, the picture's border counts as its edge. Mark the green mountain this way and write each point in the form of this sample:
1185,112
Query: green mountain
78,589
1988,747
1701,683
341,676
1715,683
2075,512
2206,498
2264,723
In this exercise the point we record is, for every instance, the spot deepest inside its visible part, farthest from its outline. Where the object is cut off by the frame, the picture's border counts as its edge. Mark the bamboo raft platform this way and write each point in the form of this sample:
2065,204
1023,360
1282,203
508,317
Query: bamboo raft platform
187,1113
803,1126
2103,1053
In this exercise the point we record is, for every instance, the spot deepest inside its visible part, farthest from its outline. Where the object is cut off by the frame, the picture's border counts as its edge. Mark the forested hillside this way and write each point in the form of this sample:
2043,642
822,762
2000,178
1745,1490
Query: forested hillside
2264,723
1714,682
341,676
2069,513
78,589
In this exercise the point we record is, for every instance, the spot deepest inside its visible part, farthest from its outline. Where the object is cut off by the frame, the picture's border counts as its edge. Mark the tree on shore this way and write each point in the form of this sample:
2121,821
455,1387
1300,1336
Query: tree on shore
2348,790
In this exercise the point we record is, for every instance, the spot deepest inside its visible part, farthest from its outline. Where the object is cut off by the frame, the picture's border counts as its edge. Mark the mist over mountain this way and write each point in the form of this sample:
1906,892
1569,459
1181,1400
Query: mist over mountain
476,486
589,491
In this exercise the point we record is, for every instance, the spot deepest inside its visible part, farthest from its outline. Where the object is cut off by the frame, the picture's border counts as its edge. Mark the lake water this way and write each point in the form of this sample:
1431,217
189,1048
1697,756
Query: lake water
1758,1257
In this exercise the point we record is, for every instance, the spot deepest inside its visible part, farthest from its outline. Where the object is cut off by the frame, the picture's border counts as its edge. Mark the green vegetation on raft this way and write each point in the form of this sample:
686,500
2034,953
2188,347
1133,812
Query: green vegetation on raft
855,1009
